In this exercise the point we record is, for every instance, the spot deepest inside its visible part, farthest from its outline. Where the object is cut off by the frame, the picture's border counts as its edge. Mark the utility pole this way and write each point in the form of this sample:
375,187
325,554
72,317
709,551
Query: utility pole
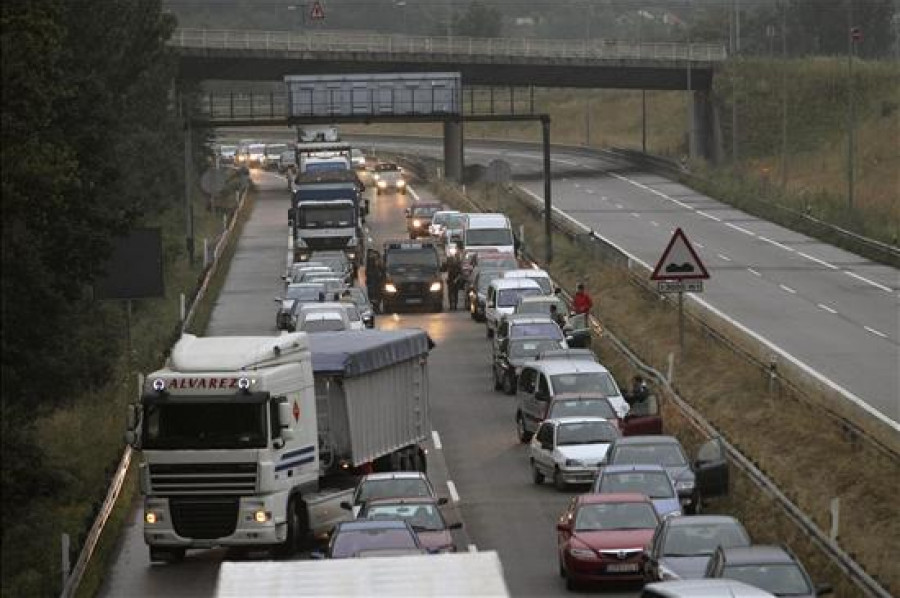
853,35
690,101
784,96
644,121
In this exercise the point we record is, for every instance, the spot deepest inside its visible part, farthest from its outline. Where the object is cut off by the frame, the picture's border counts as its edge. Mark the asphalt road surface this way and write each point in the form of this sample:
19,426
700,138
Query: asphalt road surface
474,457
833,311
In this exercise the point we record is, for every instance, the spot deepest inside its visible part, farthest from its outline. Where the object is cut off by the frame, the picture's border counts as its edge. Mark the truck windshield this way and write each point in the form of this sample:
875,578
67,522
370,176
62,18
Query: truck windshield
326,216
488,236
402,259
207,425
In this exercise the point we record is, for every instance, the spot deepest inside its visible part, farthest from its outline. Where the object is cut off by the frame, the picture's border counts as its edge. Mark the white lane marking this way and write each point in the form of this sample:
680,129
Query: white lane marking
777,244
618,205
590,191
740,228
412,192
472,548
724,257
700,245
654,223
604,198
451,488
830,310
866,280
564,161
710,216
817,260
437,440
753,272
654,191
635,214
876,332
788,289
578,185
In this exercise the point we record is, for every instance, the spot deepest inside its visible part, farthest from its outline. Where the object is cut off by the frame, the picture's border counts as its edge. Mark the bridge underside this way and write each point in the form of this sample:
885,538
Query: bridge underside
248,65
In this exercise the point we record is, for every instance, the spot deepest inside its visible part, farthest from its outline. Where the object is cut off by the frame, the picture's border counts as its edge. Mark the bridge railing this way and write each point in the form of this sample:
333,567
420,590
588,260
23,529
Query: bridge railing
470,47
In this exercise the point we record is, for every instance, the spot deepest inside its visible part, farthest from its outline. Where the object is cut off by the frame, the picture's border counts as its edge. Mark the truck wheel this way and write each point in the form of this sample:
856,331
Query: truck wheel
498,384
536,476
289,546
509,384
523,434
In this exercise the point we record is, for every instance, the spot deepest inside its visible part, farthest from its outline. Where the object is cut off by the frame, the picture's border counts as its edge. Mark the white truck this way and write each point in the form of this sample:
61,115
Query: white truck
254,442
456,574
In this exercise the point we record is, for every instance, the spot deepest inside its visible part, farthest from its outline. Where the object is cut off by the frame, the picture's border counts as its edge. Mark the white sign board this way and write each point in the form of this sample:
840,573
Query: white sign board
679,286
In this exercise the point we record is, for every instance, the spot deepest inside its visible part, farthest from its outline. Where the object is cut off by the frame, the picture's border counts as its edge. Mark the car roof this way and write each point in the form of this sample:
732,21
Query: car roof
648,439
705,588
567,355
594,498
403,500
577,419
633,468
700,520
525,273
369,524
324,306
570,396
747,555
514,283
306,285
394,475
448,212
563,366
527,318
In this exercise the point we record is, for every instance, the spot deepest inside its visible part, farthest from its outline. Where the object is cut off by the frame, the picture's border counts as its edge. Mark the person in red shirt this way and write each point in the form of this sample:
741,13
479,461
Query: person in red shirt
581,302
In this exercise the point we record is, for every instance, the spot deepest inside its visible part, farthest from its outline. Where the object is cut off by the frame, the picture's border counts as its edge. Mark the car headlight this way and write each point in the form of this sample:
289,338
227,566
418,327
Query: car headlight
417,223
435,287
666,574
382,184
452,250
376,176
401,183
583,553
574,463
390,288
685,486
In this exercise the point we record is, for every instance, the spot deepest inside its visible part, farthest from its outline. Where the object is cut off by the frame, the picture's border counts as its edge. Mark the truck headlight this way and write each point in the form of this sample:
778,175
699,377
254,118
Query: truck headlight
390,288
435,287
451,250
417,223
382,184
261,516
401,183
152,517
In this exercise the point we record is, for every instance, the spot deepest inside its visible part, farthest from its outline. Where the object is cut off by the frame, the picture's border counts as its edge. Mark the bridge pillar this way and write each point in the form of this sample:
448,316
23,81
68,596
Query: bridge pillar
453,151
703,139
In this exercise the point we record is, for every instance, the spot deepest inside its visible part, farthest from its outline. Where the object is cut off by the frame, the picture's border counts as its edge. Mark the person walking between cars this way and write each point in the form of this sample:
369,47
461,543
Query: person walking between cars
557,317
581,302
374,278
639,392
454,282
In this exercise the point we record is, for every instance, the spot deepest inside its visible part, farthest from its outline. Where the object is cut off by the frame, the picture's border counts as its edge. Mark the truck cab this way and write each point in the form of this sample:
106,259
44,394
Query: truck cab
412,276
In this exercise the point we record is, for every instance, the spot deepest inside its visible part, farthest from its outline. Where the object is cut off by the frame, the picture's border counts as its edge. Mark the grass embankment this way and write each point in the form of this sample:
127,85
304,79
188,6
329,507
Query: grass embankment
814,177
805,453
84,439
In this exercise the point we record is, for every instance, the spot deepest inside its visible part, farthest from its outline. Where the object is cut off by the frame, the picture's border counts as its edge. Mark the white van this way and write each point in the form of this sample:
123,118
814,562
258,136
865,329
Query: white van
487,232
539,276
702,588
503,296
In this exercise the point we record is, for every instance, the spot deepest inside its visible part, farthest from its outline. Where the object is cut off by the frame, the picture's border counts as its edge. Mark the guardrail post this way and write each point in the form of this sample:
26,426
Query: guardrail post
205,252
670,370
183,310
66,564
835,508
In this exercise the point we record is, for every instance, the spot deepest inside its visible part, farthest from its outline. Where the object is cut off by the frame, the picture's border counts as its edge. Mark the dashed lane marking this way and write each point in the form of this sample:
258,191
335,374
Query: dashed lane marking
724,257
788,289
437,440
451,488
830,310
866,280
875,332
753,272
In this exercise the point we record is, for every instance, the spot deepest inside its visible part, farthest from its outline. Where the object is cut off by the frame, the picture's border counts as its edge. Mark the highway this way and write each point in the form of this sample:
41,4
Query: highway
475,458
834,312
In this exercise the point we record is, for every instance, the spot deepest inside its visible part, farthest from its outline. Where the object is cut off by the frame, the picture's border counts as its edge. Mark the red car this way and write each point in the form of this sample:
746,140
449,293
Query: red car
603,537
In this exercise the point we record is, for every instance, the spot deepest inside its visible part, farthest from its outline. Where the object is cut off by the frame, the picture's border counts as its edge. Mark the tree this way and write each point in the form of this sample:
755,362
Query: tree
479,20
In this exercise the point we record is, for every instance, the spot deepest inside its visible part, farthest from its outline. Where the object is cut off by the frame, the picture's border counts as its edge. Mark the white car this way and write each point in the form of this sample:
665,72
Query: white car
502,296
328,310
439,222
569,449
539,276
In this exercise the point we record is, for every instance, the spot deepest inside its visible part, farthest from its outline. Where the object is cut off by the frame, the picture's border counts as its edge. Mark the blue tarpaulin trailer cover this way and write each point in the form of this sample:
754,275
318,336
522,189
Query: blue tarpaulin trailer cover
356,352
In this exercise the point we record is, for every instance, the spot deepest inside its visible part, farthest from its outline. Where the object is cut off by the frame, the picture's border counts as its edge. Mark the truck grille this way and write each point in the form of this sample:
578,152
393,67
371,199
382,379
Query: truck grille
204,517
322,243
238,479
414,289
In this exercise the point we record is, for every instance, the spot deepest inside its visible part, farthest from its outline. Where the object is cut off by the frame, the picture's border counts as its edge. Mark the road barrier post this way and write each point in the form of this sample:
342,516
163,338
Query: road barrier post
66,563
183,311
835,508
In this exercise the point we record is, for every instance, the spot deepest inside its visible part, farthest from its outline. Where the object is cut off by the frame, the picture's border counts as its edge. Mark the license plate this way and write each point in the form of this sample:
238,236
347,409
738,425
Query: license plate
413,300
623,568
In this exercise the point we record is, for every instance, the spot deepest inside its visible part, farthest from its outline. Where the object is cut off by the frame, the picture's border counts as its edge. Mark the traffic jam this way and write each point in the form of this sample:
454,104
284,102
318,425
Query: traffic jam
641,517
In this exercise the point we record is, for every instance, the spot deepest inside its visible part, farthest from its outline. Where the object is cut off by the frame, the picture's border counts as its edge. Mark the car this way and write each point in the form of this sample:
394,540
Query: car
702,588
255,154
682,546
476,294
393,484
226,154
774,569
418,218
272,155
322,321
540,381
488,232
352,539
568,450
337,261
577,326
513,354
652,480
439,220
602,538
358,158
360,298
501,298
388,176
412,272
539,276
512,326
294,296
575,404
451,236
487,259
694,481
333,284
423,515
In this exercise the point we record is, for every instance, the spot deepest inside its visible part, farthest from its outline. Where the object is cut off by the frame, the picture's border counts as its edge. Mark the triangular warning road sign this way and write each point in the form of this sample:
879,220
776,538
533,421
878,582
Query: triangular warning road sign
679,261
317,12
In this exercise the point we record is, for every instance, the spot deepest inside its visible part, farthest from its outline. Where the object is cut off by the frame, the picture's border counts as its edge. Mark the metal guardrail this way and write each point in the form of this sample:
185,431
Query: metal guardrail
835,553
472,47
118,480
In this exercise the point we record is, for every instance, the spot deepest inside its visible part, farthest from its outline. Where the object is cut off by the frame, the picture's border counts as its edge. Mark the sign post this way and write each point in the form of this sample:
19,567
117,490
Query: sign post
679,270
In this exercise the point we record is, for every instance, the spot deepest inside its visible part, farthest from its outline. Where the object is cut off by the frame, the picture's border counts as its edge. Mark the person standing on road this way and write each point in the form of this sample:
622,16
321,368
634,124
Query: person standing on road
581,302
374,278
454,282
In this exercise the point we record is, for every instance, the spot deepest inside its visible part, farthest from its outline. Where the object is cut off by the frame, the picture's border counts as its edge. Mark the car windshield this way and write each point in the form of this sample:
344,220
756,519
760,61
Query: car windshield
542,281
419,516
540,307
655,484
454,221
667,455
546,329
305,293
411,258
441,219
585,383
205,425
227,149
349,543
509,297
488,236
702,539
392,488
780,579
581,408
613,516
323,216
528,348
322,324
424,211
595,432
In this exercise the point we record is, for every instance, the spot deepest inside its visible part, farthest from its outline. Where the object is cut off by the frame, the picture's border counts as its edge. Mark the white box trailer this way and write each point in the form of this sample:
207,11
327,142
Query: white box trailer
387,94
455,574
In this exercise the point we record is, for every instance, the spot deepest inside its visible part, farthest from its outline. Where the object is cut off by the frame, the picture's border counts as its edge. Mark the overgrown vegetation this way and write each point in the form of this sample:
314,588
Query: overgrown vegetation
737,398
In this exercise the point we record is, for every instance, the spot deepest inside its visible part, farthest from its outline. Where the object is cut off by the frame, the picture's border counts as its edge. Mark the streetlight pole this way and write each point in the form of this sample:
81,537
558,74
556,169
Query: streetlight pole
690,101
852,34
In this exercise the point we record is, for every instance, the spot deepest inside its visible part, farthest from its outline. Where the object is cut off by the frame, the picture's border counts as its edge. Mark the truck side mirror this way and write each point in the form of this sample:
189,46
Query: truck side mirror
285,420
